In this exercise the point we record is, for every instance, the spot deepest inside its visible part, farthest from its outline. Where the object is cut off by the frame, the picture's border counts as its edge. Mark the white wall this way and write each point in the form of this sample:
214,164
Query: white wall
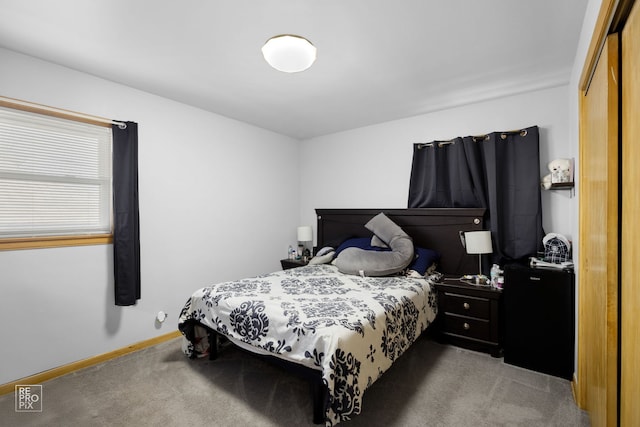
216,202
370,167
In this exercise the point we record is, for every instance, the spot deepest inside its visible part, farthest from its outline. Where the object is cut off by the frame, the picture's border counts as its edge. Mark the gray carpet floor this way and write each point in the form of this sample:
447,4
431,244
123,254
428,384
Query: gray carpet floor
430,385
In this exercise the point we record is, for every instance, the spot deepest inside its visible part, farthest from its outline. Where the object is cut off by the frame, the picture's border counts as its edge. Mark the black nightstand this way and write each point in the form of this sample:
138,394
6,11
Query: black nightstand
292,263
469,316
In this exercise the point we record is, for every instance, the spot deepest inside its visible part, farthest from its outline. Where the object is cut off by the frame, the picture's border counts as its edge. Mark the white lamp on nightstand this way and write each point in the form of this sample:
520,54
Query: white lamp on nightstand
478,242
305,234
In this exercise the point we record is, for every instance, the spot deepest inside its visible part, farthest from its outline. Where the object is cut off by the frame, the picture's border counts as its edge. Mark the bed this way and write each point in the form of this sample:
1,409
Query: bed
341,331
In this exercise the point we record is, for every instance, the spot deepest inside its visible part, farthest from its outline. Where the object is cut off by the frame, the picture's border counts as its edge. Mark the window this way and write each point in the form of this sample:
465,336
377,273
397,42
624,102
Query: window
55,178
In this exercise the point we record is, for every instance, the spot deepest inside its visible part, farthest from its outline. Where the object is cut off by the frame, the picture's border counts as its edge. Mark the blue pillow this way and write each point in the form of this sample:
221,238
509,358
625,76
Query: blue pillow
423,260
359,242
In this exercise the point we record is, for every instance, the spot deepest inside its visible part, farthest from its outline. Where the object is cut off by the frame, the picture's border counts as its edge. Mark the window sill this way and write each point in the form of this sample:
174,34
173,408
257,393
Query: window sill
54,241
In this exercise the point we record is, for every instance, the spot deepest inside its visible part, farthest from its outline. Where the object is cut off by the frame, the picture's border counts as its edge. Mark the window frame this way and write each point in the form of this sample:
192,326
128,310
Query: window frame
48,241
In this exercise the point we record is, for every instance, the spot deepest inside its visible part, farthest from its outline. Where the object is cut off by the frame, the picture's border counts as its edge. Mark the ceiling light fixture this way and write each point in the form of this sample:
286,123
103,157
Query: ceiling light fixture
289,53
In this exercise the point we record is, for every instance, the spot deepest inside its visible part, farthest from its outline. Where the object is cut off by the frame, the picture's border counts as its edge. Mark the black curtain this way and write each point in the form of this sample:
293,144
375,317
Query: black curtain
499,172
126,218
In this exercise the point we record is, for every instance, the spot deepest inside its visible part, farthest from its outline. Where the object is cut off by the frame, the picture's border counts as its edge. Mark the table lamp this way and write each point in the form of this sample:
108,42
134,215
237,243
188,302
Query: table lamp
478,242
305,234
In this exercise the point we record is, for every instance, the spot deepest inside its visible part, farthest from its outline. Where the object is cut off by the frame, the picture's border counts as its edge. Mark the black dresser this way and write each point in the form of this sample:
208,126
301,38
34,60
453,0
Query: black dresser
539,319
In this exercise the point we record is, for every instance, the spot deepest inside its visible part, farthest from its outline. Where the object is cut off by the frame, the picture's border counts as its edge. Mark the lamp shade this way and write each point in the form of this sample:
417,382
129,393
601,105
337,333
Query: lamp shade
305,233
289,53
478,242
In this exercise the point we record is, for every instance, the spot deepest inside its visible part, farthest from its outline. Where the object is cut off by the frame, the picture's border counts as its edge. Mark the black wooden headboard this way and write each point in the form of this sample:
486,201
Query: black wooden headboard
436,229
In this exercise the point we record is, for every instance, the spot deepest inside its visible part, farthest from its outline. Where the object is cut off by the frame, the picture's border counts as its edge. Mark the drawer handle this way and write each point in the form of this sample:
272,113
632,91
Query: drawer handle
466,306
466,326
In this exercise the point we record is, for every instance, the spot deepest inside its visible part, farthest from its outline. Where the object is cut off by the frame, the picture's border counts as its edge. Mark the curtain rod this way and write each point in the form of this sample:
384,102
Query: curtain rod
438,143
476,138
521,132
57,112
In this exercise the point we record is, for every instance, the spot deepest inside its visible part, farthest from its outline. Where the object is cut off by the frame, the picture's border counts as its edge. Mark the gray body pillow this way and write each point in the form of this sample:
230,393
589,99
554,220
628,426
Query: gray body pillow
374,263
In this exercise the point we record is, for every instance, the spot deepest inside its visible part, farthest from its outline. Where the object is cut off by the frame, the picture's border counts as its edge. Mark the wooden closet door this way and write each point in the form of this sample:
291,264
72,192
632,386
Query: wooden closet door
598,241
630,252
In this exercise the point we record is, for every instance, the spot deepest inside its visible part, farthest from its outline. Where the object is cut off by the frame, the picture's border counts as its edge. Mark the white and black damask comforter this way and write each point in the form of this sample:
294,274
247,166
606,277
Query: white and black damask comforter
351,328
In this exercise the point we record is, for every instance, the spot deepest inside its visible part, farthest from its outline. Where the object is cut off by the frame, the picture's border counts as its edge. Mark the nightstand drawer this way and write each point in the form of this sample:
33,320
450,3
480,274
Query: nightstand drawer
467,327
467,305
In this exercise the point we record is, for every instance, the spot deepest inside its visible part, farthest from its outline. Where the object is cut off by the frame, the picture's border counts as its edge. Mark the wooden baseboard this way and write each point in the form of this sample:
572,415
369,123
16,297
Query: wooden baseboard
81,364
574,390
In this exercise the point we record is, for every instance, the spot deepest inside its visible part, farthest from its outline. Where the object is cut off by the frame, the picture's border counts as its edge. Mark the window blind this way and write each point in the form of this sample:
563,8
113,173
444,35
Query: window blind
55,176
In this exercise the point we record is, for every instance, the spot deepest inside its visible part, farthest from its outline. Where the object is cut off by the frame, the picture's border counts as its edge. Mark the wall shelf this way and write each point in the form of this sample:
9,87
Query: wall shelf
562,186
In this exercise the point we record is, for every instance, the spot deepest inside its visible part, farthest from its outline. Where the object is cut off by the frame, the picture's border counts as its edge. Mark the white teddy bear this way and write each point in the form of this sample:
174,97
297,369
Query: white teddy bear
560,172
